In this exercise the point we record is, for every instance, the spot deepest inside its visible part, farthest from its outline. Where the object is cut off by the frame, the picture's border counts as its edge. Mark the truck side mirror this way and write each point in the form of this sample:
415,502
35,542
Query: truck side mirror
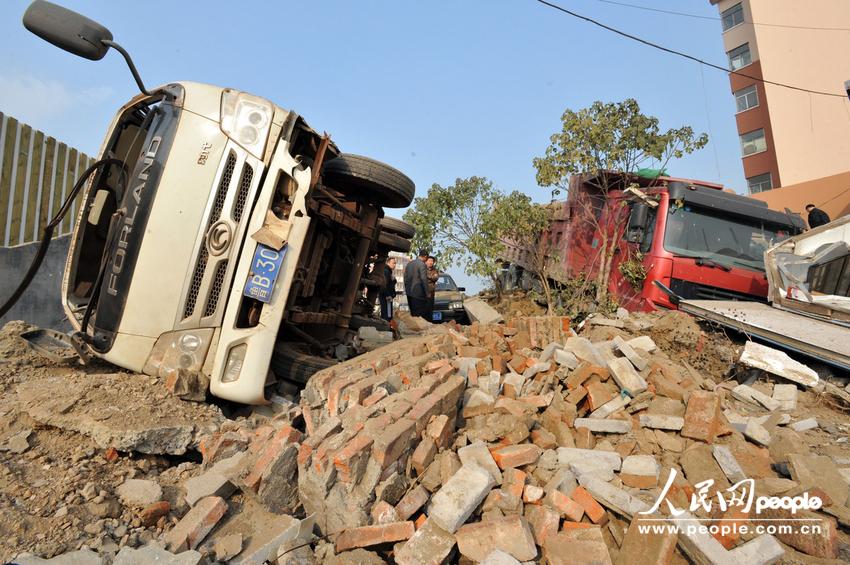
67,30
637,222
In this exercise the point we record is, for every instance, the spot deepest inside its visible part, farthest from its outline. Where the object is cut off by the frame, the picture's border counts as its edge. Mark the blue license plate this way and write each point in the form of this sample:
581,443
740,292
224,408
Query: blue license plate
264,270
436,316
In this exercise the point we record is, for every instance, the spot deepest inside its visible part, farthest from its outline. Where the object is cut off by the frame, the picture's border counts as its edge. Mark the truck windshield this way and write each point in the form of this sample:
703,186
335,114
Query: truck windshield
729,240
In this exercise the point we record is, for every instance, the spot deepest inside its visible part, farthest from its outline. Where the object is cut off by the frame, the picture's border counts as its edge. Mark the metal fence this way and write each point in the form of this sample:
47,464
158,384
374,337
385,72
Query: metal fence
36,174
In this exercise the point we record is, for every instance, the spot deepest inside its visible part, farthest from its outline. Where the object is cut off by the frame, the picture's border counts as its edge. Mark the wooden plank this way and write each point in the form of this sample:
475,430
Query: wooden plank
824,341
6,124
9,205
37,199
21,194
69,181
61,173
52,157
30,187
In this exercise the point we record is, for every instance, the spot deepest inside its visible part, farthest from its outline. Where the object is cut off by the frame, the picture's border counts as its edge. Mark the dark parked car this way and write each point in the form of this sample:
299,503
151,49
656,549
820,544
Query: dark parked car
448,301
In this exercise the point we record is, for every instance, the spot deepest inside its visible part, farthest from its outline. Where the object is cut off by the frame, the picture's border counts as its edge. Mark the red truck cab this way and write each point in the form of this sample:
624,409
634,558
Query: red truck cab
692,236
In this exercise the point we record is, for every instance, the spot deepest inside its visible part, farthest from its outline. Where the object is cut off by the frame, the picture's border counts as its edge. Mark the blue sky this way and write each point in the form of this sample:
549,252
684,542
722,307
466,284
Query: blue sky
438,89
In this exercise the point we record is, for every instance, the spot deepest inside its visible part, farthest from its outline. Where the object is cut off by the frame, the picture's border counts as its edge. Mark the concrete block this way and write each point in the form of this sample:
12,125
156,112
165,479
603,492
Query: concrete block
803,425
626,377
148,554
644,343
756,432
610,459
777,363
461,494
429,545
629,352
481,312
583,349
604,426
215,481
661,422
611,407
499,557
786,396
746,393
728,464
640,471
511,534
566,359
477,453
138,493
614,498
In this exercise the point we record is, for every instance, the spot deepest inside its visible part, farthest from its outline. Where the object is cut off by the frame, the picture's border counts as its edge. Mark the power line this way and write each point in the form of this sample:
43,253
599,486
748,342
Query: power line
682,54
716,19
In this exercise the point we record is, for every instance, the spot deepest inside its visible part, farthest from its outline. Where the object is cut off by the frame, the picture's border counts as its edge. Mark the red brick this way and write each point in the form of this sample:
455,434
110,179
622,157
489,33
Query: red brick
440,428
383,513
584,438
350,461
570,509
516,455
543,438
702,417
338,385
648,547
393,441
823,544
517,363
584,372
367,536
577,546
438,364
420,521
272,449
423,410
511,534
472,351
597,394
443,372
592,508
450,392
538,400
423,455
735,517
516,407
379,394
513,482
111,454
196,524
543,521
411,502
304,453
152,513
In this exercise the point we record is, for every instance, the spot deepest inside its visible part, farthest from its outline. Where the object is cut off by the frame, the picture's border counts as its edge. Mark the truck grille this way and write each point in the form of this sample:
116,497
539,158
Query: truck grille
242,195
197,280
215,289
695,291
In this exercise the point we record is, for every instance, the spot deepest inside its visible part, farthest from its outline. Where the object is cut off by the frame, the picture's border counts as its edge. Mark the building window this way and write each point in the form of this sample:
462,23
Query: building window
732,17
753,142
747,98
759,183
740,57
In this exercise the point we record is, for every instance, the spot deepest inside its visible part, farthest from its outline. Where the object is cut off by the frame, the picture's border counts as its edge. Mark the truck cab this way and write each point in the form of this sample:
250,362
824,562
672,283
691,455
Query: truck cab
234,239
691,236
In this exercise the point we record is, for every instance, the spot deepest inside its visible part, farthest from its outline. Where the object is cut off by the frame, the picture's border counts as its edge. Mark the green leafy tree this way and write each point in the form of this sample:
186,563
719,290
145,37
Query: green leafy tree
526,225
604,141
456,223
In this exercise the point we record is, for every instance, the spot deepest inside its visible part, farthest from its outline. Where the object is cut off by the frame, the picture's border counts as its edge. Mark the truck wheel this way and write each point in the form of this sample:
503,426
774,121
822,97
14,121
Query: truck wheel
371,180
393,242
398,227
293,362
357,321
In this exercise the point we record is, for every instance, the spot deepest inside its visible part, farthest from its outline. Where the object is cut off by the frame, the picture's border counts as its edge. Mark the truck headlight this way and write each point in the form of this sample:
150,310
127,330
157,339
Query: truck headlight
233,365
456,305
246,119
185,349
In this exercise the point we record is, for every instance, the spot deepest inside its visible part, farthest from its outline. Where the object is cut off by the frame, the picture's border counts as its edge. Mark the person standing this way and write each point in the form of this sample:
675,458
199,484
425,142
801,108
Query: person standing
388,292
817,217
433,274
416,284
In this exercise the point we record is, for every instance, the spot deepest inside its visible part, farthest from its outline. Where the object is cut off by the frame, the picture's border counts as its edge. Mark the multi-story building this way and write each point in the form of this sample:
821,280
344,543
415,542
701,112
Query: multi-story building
789,136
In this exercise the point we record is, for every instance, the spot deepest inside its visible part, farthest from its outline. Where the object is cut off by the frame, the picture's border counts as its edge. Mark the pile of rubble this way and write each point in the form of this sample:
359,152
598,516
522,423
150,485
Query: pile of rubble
519,442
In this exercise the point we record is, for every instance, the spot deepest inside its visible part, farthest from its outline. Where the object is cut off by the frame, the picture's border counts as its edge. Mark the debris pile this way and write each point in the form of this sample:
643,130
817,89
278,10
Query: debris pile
524,441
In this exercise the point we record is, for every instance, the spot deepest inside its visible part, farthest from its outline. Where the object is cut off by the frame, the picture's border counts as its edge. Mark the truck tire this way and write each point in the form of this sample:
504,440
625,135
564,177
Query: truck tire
369,179
398,227
357,321
393,242
292,361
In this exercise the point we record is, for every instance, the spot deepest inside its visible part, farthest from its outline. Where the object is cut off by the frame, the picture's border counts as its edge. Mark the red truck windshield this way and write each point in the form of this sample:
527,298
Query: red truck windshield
693,231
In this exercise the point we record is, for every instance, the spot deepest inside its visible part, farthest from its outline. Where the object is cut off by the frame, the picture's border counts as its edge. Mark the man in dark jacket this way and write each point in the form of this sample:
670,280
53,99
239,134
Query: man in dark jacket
416,285
387,292
817,217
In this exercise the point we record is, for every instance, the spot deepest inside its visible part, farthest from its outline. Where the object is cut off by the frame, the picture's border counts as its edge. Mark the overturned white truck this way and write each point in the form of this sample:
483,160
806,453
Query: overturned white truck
809,297
219,235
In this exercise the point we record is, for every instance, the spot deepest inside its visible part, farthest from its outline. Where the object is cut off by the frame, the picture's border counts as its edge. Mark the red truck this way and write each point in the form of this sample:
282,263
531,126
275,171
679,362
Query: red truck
693,237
